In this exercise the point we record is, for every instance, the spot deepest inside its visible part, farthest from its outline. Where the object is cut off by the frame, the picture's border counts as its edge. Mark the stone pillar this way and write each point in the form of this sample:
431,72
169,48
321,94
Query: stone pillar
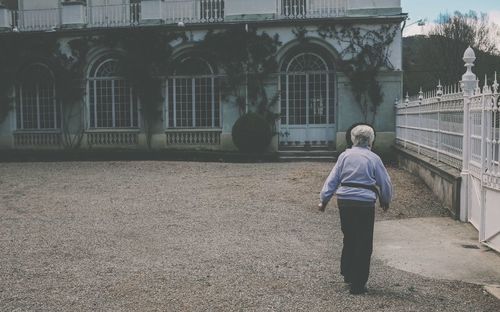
5,16
73,14
152,11
469,82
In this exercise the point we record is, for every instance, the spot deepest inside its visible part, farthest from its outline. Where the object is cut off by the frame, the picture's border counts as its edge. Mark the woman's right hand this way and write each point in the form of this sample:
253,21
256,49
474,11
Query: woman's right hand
321,207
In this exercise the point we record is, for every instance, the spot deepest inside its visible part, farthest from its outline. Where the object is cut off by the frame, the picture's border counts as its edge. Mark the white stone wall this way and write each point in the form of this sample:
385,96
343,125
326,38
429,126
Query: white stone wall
245,7
374,4
38,4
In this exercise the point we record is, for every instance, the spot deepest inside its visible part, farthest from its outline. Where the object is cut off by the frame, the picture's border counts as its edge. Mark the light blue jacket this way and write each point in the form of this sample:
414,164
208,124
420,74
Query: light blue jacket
357,165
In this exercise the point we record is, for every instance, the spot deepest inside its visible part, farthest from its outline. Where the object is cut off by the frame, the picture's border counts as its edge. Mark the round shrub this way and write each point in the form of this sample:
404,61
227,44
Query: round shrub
252,133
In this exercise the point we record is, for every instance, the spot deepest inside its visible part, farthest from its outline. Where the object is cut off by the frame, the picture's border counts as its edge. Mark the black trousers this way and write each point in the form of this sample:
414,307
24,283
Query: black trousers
357,219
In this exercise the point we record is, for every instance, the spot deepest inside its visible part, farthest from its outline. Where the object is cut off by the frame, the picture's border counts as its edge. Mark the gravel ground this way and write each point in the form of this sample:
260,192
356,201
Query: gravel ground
184,236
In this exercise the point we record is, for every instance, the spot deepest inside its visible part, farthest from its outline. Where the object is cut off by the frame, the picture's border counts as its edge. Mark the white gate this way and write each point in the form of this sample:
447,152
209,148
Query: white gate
483,180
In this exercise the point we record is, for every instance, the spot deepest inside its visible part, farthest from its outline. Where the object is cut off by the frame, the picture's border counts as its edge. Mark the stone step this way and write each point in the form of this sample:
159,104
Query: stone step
299,154
302,153
307,158
307,148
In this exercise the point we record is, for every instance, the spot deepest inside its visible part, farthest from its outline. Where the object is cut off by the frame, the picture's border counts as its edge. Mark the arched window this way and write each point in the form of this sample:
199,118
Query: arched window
36,104
193,96
112,102
307,93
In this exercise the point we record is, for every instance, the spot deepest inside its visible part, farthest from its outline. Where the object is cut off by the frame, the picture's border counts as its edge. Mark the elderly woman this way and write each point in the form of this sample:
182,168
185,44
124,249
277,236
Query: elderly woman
354,179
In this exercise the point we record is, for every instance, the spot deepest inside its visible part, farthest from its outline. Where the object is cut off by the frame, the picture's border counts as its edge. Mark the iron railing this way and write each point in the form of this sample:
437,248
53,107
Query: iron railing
171,12
432,124
296,9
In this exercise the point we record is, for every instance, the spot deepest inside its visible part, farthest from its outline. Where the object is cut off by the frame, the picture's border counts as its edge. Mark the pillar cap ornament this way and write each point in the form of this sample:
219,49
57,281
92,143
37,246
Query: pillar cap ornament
469,57
469,80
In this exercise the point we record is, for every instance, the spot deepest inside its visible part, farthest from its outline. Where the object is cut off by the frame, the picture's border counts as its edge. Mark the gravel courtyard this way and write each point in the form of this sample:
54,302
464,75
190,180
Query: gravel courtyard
186,236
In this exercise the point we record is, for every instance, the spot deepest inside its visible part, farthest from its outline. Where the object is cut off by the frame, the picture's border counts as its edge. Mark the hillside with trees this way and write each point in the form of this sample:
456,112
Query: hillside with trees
438,56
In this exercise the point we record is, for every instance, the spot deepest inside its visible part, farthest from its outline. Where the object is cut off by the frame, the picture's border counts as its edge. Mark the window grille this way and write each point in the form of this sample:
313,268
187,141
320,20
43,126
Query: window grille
307,91
112,101
193,97
36,104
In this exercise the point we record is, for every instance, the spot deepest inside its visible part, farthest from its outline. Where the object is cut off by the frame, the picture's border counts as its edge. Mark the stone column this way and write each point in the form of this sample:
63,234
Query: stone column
5,16
73,14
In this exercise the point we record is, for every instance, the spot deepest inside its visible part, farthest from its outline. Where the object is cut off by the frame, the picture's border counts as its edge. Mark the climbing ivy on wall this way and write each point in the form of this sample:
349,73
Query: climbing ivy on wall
365,52
14,52
69,72
247,58
145,58
19,51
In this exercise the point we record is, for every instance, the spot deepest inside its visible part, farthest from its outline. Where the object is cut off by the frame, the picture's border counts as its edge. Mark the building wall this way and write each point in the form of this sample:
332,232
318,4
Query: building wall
347,111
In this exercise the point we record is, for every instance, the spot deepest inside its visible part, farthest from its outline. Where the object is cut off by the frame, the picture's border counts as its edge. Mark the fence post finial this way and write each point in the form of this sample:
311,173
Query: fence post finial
486,88
469,78
478,89
439,91
407,99
495,84
420,95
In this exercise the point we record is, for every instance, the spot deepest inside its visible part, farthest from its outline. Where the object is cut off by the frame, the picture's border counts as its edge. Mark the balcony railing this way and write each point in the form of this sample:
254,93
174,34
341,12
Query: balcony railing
168,12
312,8
114,15
194,11
33,20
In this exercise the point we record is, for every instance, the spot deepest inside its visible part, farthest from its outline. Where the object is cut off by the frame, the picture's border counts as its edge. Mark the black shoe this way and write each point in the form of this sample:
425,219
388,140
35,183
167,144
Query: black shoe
358,290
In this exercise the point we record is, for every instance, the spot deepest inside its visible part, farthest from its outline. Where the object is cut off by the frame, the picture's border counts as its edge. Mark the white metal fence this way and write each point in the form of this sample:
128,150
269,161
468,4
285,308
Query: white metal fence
431,124
460,126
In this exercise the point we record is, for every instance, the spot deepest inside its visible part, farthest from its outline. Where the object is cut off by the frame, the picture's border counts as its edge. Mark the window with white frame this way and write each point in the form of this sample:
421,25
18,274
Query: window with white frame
193,96
112,102
307,93
36,104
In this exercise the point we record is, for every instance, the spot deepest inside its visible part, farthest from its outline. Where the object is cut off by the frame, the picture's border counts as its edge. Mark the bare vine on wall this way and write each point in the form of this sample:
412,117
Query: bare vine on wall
70,88
145,59
18,52
247,59
365,52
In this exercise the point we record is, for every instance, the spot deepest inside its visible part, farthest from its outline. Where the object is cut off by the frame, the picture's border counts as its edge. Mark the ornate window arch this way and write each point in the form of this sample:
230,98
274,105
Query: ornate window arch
193,97
36,103
112,102
307,90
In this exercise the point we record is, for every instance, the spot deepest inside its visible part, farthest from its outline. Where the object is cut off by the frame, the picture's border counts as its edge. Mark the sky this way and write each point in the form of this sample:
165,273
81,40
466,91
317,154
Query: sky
430,10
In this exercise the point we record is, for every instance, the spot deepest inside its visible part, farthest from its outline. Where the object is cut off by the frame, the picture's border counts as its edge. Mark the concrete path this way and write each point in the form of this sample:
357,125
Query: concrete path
439,248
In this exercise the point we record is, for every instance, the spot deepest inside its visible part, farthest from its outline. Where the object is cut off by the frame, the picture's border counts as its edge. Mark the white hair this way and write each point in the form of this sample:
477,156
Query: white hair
362,136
